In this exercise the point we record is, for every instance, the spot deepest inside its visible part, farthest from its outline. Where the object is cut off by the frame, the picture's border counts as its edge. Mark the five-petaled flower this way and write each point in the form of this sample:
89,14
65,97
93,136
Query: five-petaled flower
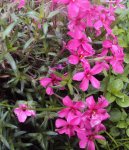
23,111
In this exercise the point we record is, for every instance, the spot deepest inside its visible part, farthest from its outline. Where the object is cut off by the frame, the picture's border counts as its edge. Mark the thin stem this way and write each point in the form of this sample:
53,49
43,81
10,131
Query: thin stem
38,109
106,83
58,55
111,138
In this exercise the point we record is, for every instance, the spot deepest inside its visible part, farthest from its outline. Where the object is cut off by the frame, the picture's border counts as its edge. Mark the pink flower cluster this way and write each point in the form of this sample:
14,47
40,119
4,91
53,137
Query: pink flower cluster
83,119
83,17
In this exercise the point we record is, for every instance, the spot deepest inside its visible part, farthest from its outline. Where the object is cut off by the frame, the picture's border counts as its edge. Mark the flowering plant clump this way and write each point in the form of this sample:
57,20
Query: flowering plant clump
64,74
84,119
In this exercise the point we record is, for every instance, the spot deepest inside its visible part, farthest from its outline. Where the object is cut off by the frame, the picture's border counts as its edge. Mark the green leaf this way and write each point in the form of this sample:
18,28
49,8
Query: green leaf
8,29
115,115
45,28
122,125
123,115
114,131
126,58
53,13
12,62
123,102
70,88
110,97
4,141
127,132
51,133
115,85
33,14
27,44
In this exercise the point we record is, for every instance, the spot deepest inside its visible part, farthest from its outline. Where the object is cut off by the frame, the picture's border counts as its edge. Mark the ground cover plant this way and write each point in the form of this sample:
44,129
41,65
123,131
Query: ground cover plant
64,74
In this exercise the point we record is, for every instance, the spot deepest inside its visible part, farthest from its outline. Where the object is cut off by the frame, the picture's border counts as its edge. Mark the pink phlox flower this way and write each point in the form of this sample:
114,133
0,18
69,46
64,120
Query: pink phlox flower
77,7
72,107
77,24
117,62
112,46
88,75
87,137
81,42
48,82
106,17
78,56
21,3
68,126
23,111
96,111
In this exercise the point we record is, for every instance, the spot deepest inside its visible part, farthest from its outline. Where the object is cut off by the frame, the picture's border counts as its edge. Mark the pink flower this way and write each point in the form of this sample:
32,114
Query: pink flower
88,75
87,137
21,3
72,107
68,126
96,111
117,62
23,111
78,56
49,82
79,41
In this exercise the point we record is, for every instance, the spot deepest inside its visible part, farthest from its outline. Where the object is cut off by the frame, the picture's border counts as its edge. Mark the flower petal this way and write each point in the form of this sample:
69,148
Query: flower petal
45,81
73,59
60,123
67,101
95,83
78,76
90,102
84,84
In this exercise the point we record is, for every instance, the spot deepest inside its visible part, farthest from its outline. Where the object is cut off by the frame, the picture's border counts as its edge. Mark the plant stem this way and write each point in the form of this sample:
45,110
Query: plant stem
111,138
107,81
38,109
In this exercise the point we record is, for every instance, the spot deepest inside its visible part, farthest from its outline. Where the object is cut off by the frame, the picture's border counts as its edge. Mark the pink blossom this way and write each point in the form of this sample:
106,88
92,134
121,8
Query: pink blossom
23,111
117,63
21,3
87,137
72,107
79,41
49,82
96,111
68,126
88,75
